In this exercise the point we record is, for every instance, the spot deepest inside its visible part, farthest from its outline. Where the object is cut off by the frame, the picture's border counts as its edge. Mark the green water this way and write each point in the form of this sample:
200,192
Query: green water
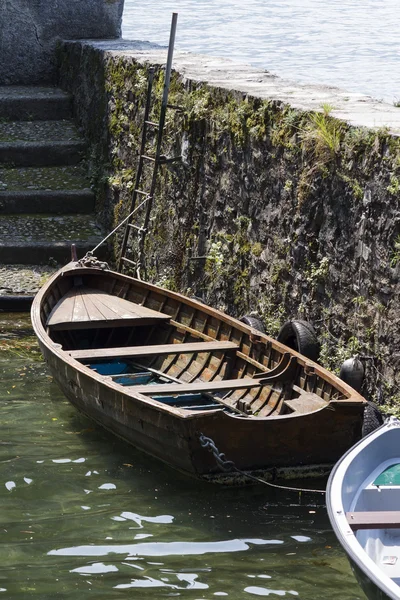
87,517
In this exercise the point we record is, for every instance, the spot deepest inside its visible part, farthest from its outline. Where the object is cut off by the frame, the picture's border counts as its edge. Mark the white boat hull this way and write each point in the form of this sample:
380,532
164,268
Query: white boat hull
363,502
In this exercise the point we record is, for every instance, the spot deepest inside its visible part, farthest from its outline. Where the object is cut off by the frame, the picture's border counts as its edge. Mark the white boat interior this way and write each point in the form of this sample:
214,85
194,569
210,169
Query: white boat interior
377,507
363,501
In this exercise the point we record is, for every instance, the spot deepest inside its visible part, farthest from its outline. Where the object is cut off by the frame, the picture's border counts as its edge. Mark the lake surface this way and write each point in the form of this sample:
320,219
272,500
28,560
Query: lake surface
85,516
352,44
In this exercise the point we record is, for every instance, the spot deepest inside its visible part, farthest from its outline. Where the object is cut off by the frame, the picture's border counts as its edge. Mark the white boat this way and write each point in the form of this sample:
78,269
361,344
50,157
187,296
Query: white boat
363,502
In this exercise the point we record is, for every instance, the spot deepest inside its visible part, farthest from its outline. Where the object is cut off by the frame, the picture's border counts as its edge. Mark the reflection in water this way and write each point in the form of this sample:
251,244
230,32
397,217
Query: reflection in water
151,582
86,516
164,549
345,43
126,515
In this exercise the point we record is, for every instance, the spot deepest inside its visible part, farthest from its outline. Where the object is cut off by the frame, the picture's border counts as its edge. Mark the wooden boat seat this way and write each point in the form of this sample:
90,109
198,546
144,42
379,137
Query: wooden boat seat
305,403
282,372
86,308
132,351
382,519
200,386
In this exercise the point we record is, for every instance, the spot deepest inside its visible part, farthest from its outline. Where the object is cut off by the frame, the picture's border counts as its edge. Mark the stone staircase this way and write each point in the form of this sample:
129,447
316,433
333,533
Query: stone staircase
45,198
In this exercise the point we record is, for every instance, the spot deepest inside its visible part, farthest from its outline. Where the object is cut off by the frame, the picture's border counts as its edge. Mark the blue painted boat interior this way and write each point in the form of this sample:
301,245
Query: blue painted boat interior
127,373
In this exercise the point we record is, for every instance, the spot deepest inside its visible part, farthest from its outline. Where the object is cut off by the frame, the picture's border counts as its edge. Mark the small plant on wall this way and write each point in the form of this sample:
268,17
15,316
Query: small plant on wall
322,135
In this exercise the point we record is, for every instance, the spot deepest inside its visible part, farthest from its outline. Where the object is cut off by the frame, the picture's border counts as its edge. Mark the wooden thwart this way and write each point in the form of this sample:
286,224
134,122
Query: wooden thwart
131,351
201,386
85,308
385,519
305,403
221,385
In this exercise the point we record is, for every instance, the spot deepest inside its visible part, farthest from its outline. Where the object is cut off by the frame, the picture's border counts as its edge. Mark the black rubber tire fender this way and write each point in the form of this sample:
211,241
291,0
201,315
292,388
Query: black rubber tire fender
253,322
300,336
373,418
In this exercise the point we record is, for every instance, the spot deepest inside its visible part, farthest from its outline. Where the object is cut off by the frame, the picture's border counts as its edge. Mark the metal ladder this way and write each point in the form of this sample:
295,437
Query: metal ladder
141,230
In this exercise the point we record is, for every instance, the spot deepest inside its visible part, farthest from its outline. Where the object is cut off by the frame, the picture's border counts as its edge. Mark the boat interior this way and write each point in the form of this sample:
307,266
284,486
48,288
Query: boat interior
176,351
375,518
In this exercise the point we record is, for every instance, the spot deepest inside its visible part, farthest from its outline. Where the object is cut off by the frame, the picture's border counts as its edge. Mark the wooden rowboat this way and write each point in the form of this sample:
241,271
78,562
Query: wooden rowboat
363,499
160,370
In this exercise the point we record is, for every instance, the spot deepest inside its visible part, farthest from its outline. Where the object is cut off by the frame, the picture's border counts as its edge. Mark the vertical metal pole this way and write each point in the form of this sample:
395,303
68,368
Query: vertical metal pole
140,164
169,60
163,111
164,102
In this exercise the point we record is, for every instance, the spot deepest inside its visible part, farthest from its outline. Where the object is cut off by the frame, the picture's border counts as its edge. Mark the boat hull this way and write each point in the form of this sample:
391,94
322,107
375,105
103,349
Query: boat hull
370,589
277,436
294,446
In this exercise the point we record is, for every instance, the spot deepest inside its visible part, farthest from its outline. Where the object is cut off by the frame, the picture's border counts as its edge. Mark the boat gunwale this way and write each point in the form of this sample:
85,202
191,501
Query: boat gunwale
351,396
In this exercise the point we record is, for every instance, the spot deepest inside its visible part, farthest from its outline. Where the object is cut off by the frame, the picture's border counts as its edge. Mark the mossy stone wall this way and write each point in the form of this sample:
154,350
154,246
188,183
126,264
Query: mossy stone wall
287,212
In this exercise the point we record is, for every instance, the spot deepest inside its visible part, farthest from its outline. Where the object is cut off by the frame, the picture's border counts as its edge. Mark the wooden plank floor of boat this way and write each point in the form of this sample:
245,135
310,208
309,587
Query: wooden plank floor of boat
83,308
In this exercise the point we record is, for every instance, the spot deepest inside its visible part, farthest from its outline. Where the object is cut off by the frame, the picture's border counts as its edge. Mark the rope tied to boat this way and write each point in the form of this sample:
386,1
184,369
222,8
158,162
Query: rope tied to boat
91,261
89,256
228,466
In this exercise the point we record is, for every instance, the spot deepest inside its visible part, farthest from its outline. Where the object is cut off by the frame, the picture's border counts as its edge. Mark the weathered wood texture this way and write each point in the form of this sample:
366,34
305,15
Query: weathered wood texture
136,351
84,307
306,402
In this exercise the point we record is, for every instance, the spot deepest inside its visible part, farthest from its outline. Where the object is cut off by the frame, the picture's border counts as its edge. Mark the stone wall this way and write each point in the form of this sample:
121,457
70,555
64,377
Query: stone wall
286,201
29,30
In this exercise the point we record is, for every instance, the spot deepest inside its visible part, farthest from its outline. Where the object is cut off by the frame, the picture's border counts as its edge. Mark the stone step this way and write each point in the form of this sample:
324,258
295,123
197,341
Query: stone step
41,154
39,131
47,202
72,177
40,103
45,239
23,280
40,143
45,195
19,285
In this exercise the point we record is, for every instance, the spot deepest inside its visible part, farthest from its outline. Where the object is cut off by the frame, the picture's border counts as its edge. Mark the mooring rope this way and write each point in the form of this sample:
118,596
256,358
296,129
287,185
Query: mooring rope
91,252
228,466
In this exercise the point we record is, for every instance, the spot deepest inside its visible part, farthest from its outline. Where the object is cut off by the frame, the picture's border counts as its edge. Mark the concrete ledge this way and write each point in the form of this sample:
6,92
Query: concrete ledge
356,109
